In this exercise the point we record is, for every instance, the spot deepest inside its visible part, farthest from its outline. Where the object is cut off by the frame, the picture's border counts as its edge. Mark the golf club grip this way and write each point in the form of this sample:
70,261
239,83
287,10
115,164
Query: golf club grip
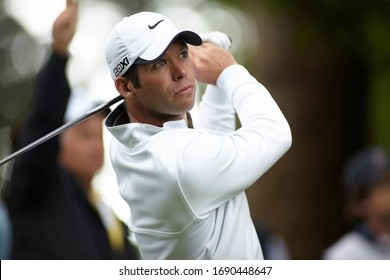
57,131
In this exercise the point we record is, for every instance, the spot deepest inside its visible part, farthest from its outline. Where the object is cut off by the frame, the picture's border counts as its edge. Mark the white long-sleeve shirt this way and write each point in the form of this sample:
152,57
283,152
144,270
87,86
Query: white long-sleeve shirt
185,187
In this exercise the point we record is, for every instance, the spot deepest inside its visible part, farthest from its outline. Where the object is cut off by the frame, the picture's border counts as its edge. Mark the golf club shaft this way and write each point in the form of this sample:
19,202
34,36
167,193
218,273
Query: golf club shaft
59,130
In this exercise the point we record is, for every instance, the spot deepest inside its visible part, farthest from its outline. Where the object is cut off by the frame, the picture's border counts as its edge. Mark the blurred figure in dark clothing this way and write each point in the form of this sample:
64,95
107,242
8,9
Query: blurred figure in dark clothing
5,233
272,244
54,211
366,179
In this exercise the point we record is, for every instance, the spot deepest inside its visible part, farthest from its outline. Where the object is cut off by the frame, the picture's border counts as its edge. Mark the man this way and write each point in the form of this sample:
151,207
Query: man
53,210
185,187
366,177
5,232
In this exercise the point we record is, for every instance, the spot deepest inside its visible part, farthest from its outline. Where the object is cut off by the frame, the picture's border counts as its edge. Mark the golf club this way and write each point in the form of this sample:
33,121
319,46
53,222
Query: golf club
59,130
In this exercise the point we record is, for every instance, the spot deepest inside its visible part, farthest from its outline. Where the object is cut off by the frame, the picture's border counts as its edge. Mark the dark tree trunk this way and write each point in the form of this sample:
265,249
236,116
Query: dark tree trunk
323,95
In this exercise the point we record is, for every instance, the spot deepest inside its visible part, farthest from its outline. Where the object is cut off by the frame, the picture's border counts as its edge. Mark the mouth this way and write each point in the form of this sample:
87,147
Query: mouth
185,90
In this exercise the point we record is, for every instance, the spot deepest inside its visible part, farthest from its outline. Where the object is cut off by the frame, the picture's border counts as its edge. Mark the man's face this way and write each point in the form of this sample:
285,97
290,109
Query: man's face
82,151
377,208
168,85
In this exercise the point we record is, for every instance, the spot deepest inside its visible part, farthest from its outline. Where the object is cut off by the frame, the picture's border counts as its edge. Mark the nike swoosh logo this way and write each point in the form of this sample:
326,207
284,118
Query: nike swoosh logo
154,25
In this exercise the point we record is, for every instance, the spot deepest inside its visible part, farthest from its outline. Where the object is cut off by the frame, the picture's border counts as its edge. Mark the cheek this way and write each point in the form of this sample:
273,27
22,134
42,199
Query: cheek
92,148
77,155
153,96
85,149
90,158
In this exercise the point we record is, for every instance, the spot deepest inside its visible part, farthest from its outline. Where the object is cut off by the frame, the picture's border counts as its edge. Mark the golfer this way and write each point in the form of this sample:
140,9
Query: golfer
185,183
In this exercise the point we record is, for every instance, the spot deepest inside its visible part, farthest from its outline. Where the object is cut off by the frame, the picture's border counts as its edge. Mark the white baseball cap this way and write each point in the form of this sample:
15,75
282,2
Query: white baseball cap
142,38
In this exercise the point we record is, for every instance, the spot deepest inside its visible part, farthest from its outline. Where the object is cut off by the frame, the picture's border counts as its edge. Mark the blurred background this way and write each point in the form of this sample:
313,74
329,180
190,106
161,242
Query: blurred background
326,62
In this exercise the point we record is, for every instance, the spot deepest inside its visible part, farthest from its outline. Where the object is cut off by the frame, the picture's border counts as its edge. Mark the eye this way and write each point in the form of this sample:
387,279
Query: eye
183,54
160,63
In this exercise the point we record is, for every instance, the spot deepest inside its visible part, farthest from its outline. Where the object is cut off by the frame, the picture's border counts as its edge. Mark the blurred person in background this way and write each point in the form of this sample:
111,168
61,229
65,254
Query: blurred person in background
366,178
54,210
272,243
5,223
5,232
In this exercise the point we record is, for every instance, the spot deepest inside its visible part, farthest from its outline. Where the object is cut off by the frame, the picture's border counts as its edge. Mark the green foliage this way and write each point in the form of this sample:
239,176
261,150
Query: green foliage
345,25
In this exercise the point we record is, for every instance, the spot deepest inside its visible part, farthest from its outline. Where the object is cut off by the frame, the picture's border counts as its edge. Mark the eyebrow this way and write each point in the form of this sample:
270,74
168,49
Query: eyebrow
180,41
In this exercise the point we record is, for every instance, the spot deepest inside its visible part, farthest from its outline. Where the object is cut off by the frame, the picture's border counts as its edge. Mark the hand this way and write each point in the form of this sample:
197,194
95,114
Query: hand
209,62
64,27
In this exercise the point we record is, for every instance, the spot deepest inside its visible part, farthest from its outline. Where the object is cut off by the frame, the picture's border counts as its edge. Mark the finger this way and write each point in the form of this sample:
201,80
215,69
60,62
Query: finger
72,7
70,3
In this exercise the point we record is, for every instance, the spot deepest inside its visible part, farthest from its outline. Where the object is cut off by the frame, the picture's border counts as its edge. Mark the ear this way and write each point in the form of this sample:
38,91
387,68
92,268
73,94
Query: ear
124,86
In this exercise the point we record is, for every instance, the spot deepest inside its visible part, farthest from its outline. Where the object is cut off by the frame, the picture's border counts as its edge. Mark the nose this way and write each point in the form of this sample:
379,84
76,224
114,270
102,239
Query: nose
179,71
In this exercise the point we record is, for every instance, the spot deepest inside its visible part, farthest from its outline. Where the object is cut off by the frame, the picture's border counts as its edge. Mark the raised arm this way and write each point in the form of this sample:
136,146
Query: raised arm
230,163
50,97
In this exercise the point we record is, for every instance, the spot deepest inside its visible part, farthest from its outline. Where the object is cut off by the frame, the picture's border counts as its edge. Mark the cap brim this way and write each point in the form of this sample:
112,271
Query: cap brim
188,36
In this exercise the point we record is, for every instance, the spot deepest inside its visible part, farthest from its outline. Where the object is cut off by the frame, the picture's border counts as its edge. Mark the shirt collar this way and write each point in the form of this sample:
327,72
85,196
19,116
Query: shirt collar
128,133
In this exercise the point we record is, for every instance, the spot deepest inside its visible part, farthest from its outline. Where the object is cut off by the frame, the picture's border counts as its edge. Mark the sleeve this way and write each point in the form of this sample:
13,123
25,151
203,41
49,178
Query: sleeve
212,169
50,97
216,112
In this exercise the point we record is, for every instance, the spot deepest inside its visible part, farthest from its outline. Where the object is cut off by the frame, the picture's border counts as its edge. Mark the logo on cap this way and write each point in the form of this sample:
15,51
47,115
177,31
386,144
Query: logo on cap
118,69
154,25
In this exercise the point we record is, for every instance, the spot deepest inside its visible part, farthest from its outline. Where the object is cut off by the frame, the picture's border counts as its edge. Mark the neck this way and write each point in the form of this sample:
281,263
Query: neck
156,120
